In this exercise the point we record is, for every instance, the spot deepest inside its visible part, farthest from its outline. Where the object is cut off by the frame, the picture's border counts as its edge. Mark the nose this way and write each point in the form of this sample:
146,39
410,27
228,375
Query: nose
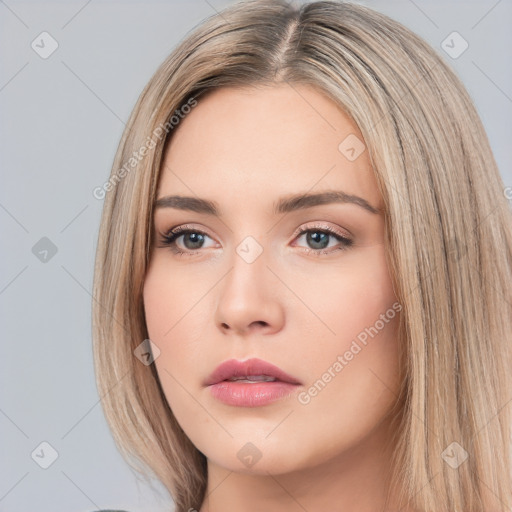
249,300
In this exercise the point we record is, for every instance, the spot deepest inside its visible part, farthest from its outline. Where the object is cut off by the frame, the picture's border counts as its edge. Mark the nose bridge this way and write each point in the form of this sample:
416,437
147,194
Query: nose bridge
248,294
248,269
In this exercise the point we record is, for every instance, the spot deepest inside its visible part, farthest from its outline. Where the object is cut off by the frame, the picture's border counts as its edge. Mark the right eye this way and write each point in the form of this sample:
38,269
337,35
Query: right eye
194,237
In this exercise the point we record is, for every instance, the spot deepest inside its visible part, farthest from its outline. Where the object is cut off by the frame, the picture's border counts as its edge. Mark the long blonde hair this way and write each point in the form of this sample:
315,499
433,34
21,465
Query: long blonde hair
448,239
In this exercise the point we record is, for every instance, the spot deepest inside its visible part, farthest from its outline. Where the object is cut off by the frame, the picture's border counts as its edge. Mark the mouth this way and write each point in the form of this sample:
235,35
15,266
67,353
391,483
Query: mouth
250,383
250,371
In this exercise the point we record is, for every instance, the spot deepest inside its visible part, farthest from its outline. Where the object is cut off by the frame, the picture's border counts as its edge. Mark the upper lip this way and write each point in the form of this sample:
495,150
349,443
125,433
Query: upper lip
235,368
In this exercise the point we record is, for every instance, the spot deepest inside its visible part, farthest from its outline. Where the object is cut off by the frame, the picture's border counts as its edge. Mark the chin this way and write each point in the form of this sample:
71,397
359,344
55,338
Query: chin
255,457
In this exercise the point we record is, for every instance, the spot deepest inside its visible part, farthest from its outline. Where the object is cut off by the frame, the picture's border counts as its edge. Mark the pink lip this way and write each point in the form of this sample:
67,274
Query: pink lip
235,368
247,394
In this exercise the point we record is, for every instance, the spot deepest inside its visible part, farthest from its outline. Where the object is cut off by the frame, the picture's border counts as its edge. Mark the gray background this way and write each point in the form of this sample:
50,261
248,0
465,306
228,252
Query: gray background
61,119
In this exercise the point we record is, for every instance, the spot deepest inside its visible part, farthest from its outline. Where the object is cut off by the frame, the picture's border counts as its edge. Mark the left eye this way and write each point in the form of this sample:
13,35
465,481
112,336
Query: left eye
318,239
193,240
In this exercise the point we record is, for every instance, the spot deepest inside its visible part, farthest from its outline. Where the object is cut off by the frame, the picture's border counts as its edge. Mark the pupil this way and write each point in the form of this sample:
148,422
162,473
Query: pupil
194,237
315,238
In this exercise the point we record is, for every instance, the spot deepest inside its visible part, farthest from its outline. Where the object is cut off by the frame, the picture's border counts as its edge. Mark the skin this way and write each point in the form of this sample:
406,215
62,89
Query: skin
244,148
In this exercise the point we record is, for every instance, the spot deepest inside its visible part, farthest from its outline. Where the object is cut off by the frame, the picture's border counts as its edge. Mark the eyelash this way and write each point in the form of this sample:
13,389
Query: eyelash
169,240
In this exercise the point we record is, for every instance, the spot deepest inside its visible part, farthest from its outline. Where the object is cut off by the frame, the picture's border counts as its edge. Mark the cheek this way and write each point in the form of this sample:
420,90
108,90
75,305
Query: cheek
352,387
173,303
354,363
353,300
171,312
156,296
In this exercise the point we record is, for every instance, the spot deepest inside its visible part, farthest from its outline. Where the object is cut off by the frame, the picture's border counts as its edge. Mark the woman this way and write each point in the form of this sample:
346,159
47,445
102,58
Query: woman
302,291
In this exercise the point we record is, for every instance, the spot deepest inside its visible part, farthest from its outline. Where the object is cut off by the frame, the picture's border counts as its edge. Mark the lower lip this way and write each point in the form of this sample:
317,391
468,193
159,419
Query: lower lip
246,394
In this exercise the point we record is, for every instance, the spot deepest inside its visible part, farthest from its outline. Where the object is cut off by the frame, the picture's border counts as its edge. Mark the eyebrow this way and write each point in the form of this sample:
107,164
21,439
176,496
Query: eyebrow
284,204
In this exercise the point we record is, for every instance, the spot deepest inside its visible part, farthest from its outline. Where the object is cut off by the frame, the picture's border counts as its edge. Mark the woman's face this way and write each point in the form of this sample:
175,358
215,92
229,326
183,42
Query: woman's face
249,285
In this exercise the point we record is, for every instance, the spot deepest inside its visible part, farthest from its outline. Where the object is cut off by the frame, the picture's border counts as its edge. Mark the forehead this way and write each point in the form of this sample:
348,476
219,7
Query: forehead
254,143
